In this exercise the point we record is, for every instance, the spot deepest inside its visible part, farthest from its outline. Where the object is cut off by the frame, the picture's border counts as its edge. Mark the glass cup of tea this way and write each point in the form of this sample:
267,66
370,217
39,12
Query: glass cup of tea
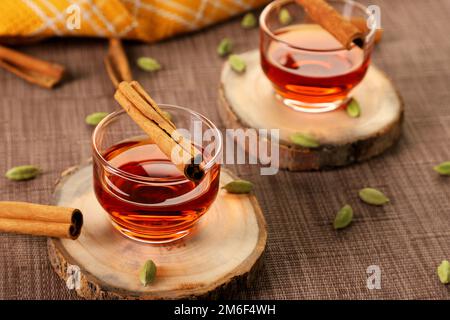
146,196
309,69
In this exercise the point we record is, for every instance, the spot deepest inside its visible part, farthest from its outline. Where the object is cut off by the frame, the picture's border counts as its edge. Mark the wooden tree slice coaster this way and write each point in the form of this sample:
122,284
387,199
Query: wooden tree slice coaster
219,258
248,101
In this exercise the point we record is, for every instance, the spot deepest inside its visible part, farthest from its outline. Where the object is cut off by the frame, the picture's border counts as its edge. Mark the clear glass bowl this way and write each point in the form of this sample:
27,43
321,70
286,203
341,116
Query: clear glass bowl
145,196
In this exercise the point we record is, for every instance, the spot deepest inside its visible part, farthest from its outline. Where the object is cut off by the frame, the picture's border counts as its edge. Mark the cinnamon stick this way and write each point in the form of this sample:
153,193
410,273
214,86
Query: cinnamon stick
40,220
33,70
332,21
146,113
116,63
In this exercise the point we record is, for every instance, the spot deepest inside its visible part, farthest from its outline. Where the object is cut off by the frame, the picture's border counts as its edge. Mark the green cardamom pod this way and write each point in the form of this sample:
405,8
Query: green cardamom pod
23,173
148,64
304,140
239,186
373,196
284,17
237,63
249,21
344,217
147,273
443,169
94,118
443,272
225,47
353,109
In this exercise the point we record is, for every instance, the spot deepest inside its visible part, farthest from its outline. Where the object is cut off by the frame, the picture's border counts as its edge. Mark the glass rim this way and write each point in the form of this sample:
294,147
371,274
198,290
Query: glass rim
138,178
263,26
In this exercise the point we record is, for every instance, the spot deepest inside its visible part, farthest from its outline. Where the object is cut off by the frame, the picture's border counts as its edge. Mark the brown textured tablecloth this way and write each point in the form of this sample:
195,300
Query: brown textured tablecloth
305,258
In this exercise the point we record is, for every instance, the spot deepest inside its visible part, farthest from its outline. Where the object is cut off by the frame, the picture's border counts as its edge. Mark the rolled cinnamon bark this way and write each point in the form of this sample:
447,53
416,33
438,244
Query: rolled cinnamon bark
33,70
40,220
116,63
332,21
146,113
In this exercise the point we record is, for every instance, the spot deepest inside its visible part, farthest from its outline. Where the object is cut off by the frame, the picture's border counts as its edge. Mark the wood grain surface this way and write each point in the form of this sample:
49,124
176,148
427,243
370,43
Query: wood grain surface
221,256
248,101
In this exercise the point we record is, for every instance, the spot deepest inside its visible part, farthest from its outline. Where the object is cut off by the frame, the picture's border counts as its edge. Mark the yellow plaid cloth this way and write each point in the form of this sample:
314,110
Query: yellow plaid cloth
146,20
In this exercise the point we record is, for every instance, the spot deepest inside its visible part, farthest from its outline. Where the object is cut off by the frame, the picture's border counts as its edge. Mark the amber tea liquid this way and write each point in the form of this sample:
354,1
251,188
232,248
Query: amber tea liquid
151,211
312,77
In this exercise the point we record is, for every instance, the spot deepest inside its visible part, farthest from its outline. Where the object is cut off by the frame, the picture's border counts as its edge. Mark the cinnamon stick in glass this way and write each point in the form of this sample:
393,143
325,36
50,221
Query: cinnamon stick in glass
33,70
332,21
40,220
146,113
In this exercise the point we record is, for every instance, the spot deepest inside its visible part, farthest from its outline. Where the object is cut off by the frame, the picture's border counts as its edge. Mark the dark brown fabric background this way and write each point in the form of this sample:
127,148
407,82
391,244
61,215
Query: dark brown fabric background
305,258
